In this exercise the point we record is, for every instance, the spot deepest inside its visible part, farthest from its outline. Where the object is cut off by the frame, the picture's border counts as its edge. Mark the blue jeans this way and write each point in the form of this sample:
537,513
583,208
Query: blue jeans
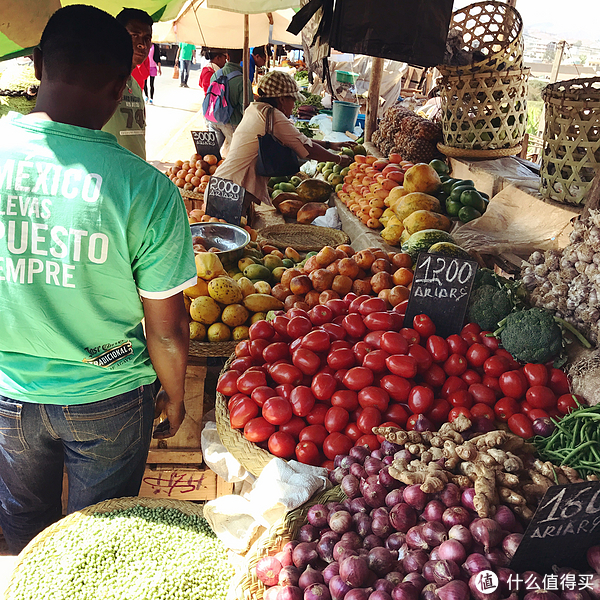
184,70
103,445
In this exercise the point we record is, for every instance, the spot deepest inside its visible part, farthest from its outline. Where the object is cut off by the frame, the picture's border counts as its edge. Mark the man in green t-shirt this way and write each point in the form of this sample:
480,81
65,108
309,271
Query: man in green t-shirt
128,124
185,53
92,241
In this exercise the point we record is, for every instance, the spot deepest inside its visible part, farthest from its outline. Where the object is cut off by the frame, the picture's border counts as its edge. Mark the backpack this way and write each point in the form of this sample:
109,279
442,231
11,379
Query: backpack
216,106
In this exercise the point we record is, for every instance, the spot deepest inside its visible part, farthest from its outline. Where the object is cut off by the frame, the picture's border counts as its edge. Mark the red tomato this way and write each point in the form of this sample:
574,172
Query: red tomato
354,325
423,325
394,343
404,366
477,354
489,341
440,411
336,332
453,384
336,443
297,312
339,344
317,415
513,364
373,338
308,454
353,306
280,324
286,373
435,376
241,365
513,384
457,345
423,358
282,444
336,419
505,408
250,380
338,307
258,430
346,399
284,390
457,411
471,338
559,383
352,431
470,328
276,351
470,377
368,418
242,348
536,374
302,400
493,384
370,441
537,413
262,330
460,398
361,349
323,385
401,308
315,434
306,360
381,321
358,378
228,383
372,305
295,345
341,358
262,393
235,399
482,410
397,387
243,411
375,361
320,314
495,366
566,403
520,425
412,422
317,340
374,396
540,396
482,394
455,365
397,414
438,348
420,399
526,408
298,327
411,336
277,410
294,426
339,376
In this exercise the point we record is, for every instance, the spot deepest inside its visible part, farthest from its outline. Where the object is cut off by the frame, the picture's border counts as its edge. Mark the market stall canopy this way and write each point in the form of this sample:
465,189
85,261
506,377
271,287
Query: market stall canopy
250,7
22,21
279,33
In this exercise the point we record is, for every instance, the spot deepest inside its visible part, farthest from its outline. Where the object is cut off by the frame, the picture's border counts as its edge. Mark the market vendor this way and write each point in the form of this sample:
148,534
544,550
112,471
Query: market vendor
276,91
92,241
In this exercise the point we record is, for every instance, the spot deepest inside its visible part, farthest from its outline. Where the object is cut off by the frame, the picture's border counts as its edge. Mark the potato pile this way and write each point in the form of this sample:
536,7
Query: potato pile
193,175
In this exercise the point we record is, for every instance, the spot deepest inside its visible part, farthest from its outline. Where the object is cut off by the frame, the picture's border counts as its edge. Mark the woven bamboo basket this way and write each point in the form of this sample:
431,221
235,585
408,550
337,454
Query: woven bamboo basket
253,458
213,349
571,152
273,540
492,28
192,200
37,544
303,238
484,111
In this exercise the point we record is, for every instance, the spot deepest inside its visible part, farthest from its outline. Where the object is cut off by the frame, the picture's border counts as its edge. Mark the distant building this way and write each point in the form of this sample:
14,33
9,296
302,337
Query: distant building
543,70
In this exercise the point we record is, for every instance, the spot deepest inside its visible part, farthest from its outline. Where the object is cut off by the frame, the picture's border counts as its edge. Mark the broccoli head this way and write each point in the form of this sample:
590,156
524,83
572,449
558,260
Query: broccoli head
532,336
489,304
484,277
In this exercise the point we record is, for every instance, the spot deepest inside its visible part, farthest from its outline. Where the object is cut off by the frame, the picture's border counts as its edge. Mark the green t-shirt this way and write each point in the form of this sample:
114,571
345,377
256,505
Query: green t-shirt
186,51
128,124
86,228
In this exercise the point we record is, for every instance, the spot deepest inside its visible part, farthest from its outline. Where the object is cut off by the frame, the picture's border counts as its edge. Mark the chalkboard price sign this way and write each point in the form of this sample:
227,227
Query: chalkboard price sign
206,143
441,289
565,525
225,200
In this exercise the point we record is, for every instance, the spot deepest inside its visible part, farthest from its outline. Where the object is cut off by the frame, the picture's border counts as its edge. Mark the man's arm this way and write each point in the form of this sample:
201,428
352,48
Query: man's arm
167,335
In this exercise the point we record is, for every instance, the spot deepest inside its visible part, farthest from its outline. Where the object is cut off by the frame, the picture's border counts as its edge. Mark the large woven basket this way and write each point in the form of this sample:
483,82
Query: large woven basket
37,544
492,28
484,111
303,238
571,152
192,200
253,458
273,540
213,349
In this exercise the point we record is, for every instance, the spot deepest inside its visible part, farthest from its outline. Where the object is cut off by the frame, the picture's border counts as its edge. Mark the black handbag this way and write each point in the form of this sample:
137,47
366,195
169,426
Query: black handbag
274,159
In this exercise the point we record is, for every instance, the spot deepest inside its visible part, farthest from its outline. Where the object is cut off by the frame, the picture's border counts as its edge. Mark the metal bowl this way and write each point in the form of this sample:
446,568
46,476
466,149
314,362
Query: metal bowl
230,239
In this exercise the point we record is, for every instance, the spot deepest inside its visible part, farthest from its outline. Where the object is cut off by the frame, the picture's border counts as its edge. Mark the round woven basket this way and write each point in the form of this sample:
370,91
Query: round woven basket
36,545
214,349
484,111
303,238
571,152
478,154
492,28
273,540
253,458
192,200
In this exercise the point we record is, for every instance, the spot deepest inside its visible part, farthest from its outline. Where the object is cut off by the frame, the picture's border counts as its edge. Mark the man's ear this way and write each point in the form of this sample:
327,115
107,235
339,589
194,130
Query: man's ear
37,63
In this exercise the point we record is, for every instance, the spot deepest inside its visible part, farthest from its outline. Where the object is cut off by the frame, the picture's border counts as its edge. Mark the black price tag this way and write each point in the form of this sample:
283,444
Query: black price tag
225,200
565,525
206,143
441,288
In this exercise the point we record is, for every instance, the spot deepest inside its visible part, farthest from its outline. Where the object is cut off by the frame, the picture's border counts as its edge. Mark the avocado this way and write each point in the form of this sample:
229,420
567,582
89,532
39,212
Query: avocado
257,272
271,262
287,187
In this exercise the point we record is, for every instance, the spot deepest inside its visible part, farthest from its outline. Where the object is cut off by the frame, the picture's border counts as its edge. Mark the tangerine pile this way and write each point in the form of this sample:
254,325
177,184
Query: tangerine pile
193,175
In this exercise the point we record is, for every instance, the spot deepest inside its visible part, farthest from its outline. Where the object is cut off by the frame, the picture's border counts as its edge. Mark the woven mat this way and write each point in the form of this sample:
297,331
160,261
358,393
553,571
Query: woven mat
192,195
303,238
215,349
482,154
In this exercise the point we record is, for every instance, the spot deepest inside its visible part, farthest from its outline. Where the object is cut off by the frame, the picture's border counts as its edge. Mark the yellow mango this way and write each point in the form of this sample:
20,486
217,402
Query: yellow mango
208,266
234,315
205,310
392,234
416,201
246,286
200,289
425,219
262,303
225,290
218,332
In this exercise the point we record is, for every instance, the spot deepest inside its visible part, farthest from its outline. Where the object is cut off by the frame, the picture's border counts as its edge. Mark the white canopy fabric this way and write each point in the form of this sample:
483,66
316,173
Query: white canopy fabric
250,7
281,21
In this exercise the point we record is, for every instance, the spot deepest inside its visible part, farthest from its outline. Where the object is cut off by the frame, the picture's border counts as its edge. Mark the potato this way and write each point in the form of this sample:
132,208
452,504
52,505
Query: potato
385,295
326,256
301,305
321,280
290,208
401,259
378,253
364,259
348,250
403,276
361,286
300,285
287,277
328,295
280,292
381,281
398,293
311,264
348,267
291,300
382,264
334,267
342,284
340,254
312,298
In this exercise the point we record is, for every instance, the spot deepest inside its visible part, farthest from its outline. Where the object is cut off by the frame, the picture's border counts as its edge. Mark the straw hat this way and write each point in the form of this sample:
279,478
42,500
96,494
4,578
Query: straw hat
277,84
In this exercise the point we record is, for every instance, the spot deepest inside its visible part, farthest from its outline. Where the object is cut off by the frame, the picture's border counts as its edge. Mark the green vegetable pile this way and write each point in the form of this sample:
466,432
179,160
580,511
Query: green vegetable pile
310,100
575,441
134,554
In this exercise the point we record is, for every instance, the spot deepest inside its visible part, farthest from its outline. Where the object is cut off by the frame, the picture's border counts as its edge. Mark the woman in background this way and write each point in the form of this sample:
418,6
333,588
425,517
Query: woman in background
154,65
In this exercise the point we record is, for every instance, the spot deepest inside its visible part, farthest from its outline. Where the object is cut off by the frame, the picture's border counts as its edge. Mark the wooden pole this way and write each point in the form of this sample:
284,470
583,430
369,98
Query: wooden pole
373,97
246,65
560,48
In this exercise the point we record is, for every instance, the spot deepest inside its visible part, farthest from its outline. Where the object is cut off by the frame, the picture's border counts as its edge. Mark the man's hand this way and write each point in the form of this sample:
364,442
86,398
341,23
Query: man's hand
174,413
342,145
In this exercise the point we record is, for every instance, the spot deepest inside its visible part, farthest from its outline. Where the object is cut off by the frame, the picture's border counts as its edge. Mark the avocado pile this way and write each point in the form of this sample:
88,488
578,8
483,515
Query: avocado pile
333,173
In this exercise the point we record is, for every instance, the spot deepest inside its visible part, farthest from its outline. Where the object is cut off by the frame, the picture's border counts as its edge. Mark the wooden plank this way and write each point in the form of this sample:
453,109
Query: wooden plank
183,483
224,488
373,98
175,456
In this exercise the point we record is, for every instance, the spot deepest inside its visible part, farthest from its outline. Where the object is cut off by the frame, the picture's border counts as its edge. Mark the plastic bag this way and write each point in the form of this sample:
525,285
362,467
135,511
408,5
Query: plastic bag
329,219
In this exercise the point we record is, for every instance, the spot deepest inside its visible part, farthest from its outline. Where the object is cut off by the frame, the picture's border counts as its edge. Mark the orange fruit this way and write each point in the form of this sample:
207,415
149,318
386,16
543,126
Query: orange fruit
211,159
402,276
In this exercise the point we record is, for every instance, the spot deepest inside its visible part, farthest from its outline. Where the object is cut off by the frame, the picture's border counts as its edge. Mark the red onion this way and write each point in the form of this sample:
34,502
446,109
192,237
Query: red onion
338,588
374,494
455,590
475,563
350,486
574,595
285,558
486,532
384,585
394,497
543,426
593,558
405,591
337,475
505,518
267,570
372,541
380,511
359,505
388,460
372,465
415,539
395,541
289,576
467,498
428,592
395,577
334,506
340,521
456,515
325,547
381,525
507,578
389,448
386,480
403,517
290,592
346,461
434,533
317,591
362,524
461,534
317,516
474,585
380,561
272,593
342,550
330,571
358,471
403,454
352,539
452,550
445,571
358,594
435,554
415,497
415,579
497,558
428,571
290,546
423,424
450,495
354,571
433,511
359,453
541,595
305,553
414,561
308,533
380,595
594,589
309,577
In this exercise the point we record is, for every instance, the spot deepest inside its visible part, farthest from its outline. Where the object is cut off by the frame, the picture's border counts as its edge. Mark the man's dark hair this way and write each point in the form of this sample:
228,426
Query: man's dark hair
83,44
214,53
235,56
134,14
259,51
